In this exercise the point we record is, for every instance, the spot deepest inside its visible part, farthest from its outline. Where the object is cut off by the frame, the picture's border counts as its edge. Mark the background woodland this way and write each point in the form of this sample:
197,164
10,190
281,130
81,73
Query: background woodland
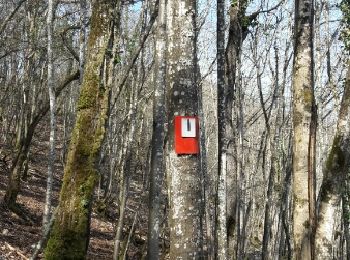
88,94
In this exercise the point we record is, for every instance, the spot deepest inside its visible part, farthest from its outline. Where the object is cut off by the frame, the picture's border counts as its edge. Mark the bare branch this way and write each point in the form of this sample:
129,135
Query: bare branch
67,44
8,18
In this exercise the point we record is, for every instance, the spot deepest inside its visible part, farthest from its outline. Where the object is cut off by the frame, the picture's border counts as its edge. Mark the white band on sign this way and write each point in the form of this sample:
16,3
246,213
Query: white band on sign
188,127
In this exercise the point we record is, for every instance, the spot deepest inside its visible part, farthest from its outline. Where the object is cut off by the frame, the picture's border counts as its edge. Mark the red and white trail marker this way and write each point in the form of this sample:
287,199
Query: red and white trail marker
186,134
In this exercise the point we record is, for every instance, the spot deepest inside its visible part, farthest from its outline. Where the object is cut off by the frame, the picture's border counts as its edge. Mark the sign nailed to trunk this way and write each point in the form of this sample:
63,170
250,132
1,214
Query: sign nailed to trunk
186,135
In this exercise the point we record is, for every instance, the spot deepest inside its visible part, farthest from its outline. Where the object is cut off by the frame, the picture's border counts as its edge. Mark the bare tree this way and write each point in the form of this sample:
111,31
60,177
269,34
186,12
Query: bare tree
182,170
304,110
223,142
70,234
332,188
158,135
52,98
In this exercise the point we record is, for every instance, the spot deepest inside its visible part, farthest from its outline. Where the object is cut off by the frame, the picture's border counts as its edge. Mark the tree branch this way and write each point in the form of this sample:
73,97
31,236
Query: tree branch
58,91
140,47
68,45
8,18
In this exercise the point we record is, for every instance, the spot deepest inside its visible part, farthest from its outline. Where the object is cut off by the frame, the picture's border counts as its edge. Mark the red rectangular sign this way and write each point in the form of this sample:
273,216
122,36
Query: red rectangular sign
186,134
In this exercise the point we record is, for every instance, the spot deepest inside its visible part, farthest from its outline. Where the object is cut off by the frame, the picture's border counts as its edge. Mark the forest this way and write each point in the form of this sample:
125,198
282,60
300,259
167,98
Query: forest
174,129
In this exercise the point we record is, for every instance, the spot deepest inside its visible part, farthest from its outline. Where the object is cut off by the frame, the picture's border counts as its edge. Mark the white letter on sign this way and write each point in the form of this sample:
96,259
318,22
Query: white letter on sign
188,127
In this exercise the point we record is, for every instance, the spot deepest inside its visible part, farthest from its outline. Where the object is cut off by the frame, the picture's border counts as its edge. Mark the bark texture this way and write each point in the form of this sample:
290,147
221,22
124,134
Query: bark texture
182,170
303,107
157,153
50,85
231,157
336,170
69,237
221,234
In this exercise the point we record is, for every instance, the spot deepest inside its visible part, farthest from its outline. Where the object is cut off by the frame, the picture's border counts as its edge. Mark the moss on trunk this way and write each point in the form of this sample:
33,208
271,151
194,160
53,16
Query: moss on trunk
70,234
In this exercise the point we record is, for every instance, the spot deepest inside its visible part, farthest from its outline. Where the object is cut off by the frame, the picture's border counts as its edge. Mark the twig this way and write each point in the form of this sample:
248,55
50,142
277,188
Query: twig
8,18
137,52
130,234
68,45
16,250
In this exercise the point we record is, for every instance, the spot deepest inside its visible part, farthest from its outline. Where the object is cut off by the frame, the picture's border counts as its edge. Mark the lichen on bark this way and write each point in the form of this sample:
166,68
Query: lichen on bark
334,182
182,99
303,120
70,234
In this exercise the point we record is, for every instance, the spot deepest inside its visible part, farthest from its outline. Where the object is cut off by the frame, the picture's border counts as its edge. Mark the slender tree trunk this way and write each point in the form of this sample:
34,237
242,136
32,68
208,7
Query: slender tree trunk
236,36
303,108
240,204
158,134
127,167
22,127
221,234
51,163
119,233
23,146
70,235
182,170
346,214
274,133
203,180
83,35
14,183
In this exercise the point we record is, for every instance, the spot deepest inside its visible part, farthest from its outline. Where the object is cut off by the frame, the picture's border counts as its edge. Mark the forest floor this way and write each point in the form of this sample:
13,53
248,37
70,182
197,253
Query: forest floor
20,232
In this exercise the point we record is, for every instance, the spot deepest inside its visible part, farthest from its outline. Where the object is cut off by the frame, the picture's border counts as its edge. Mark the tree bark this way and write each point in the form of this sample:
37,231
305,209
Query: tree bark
333,185
273,133
52,98
223,142
70,234
182,170
303,107
128,168
236,36
158,134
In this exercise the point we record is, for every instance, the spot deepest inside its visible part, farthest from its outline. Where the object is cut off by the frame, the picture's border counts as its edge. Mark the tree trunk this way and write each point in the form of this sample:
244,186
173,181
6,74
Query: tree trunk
337,168
128,168
70,234
51,162
303,107
157,153
14,183
182,170
23,146
223,142
236,36
346,214
82,37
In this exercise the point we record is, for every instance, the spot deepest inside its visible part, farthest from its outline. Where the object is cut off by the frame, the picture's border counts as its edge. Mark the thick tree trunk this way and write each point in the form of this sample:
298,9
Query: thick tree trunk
70,234
157,153
182,170
303,105
334,179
